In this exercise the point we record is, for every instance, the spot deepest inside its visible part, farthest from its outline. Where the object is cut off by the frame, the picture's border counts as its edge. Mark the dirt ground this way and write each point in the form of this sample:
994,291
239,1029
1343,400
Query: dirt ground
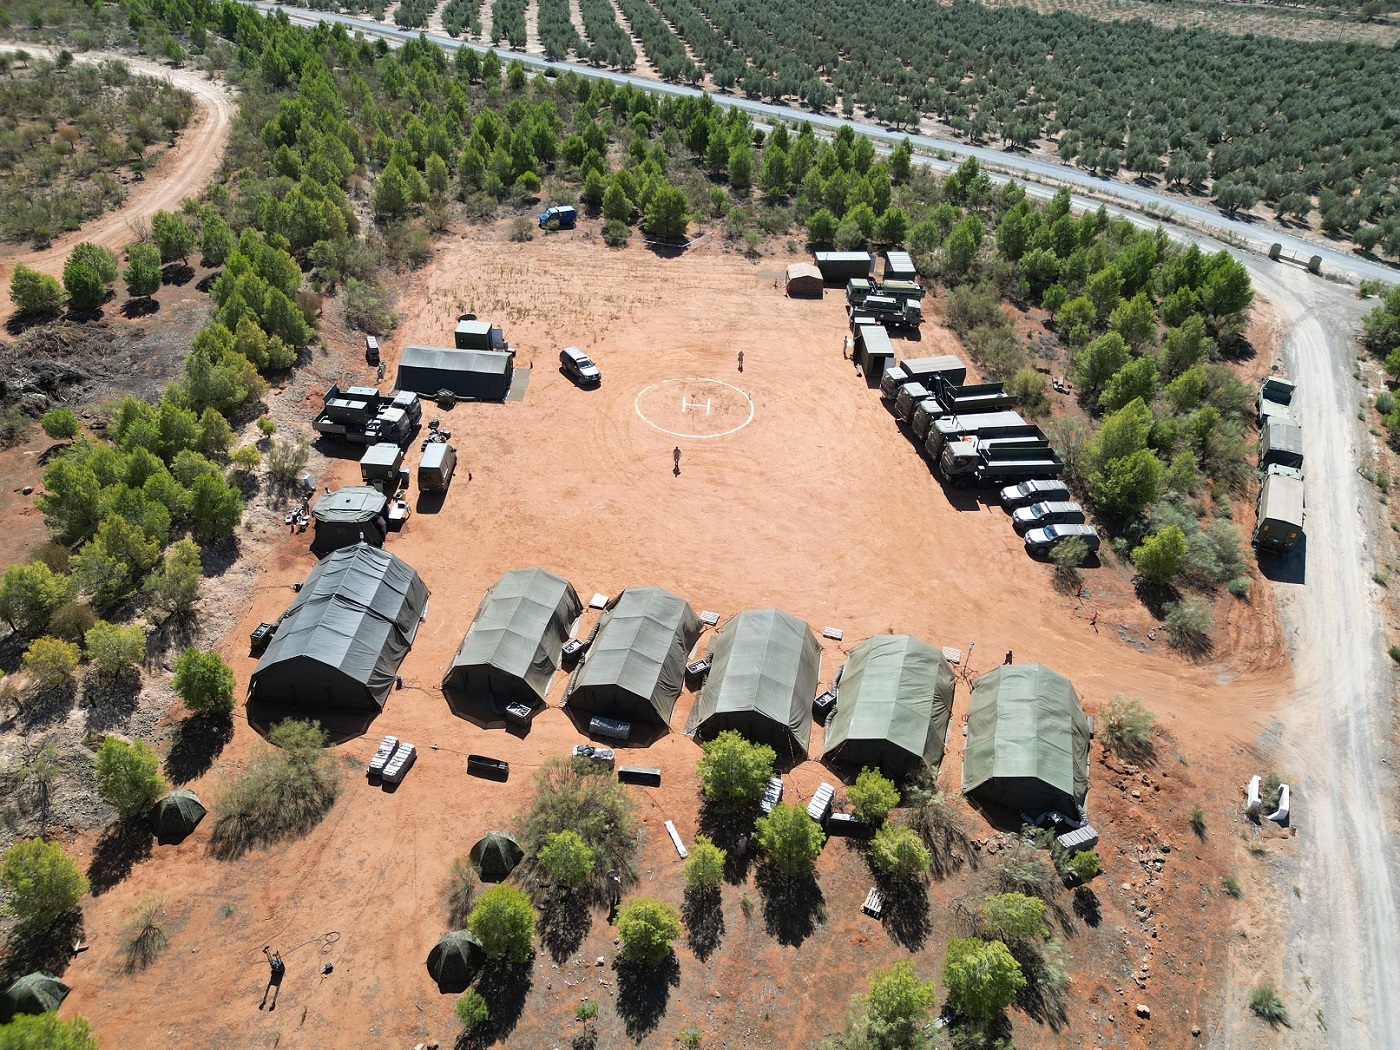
819,505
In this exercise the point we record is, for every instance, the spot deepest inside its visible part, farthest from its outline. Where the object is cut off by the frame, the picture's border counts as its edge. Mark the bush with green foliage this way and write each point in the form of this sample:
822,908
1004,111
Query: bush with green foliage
1127,727
872,796
113,648
174,587
791,841
1081,867
34,293
646,928
704,869
930,813
128,776
286,461
43,882
71,622
61,424
1189,624
1012,917
174,237
1266,1003
982,977
461,892
50,661
897,852
734,771
285,791
566,859
30,593
503,922
572,795
142,274
1158,558
472,1009
204,682
46,1032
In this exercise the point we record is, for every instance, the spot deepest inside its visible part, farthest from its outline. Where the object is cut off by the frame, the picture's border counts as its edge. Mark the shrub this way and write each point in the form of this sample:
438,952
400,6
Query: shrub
938,824
1198,821
690,1037
898,1003
461,891
204,682
369,307
981,976
286,460
50,661
113,648
142,276
873,795
1266,1003
472,1009
61,424
1013,917
286,791
1239,587
1025,870
1158,558
85,288
245,459
145,936
174,587
1067,556
503,921
1269,791
790,839
586,801
566,859
33,292
42,881
71,622
1031,392
897,852
1081,867
734,771
647,927
616,233
1128,727
46,1031
522,230
128,776
266,427
704,870
1189,624
585,1012
1231,886
30,593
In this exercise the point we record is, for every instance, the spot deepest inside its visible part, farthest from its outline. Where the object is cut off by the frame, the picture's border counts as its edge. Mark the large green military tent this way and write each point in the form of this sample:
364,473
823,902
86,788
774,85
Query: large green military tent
1027,741
34,993
339,646
473,375
764,668
511,650
635,666
346,516
892,706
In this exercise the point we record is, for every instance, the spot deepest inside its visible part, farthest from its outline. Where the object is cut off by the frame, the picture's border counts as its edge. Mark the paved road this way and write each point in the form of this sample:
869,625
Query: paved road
1343,950
1333,260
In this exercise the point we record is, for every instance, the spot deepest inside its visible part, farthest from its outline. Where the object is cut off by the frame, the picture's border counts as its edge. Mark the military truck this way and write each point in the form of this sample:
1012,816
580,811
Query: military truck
381,467
983,424
923,369
860,289
1278,513
970,397
361,414
891,312
969,463
1275,400
479,335
1281,444
910,396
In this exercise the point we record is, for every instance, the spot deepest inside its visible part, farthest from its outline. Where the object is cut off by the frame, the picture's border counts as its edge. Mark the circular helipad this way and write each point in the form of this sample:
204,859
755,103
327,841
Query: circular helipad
695,408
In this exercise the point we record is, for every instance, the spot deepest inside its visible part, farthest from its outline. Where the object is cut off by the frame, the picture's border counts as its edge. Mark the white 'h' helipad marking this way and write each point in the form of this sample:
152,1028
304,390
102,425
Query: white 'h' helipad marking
685,403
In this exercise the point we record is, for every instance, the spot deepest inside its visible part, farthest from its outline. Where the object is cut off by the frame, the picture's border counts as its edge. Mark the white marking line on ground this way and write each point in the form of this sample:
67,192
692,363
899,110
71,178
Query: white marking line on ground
637,404
687,404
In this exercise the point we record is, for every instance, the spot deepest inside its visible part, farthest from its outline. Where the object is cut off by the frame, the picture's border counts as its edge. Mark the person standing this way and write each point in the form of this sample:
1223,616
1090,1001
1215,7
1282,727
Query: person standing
741,360
676,459
274,980
1008,657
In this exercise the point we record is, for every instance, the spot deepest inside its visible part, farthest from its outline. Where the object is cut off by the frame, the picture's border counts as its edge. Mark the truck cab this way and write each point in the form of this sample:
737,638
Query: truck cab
566,215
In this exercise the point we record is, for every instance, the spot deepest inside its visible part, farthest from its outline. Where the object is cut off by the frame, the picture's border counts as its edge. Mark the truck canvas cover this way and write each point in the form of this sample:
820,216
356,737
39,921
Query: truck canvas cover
473,375
1280,512
925,368
340,644
635,667
892,706
1281,442
511,650
899,266
764,668
1027,741
347,516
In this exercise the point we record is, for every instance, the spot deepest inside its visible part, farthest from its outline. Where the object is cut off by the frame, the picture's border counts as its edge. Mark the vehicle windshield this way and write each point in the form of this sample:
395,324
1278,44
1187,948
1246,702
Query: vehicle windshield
583,362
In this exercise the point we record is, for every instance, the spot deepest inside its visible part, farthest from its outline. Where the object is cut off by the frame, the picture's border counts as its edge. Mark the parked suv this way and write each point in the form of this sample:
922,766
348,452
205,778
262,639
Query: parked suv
1055,512
1040,542
1028,492
579,367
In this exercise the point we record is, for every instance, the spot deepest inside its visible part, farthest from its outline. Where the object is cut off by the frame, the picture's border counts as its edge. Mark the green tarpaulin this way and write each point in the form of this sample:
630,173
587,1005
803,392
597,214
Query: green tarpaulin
892,706
511,650
1027,741
476,375
345,517
454,960
763,677
340,644
495,856
176,816
635,667
34,993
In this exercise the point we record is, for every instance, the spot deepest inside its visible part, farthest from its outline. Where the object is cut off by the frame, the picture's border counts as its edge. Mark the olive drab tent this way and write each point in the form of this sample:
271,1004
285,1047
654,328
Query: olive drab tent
764,667
454,960
1027,741
511,650
473,375
495,856
34,993
176,815
893,703
348,516
635,665
339,646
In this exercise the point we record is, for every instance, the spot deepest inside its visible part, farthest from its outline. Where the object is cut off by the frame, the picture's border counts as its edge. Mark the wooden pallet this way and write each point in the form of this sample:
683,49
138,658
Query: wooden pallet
874,903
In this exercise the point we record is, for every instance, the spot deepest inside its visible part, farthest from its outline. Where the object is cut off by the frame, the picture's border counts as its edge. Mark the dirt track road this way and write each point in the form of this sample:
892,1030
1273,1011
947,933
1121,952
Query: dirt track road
184,171
1342,954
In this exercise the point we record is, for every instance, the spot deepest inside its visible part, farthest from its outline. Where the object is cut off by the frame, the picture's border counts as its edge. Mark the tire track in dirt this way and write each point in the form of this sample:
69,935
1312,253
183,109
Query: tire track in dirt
182,171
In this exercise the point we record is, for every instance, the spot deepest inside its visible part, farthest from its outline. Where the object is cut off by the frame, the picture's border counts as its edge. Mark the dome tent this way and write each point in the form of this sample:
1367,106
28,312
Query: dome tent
176,815
454,960
495,856
34,993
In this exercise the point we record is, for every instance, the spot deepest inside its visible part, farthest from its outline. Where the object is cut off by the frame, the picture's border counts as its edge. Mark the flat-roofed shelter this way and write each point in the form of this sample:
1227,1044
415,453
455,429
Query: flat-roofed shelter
634,668
893,704
339,646
763,676
804,281
474,375
512,648
1027,741
348,516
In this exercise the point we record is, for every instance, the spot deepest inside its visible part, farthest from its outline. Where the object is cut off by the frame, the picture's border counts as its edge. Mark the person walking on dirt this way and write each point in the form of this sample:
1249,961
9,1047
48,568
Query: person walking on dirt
614,894
1008,657
676,458
741,360
1094,621
274,980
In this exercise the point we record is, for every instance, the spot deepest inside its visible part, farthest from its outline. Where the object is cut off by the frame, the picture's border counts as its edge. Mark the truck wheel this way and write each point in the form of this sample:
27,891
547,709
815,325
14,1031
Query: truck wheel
963,483
1040,552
